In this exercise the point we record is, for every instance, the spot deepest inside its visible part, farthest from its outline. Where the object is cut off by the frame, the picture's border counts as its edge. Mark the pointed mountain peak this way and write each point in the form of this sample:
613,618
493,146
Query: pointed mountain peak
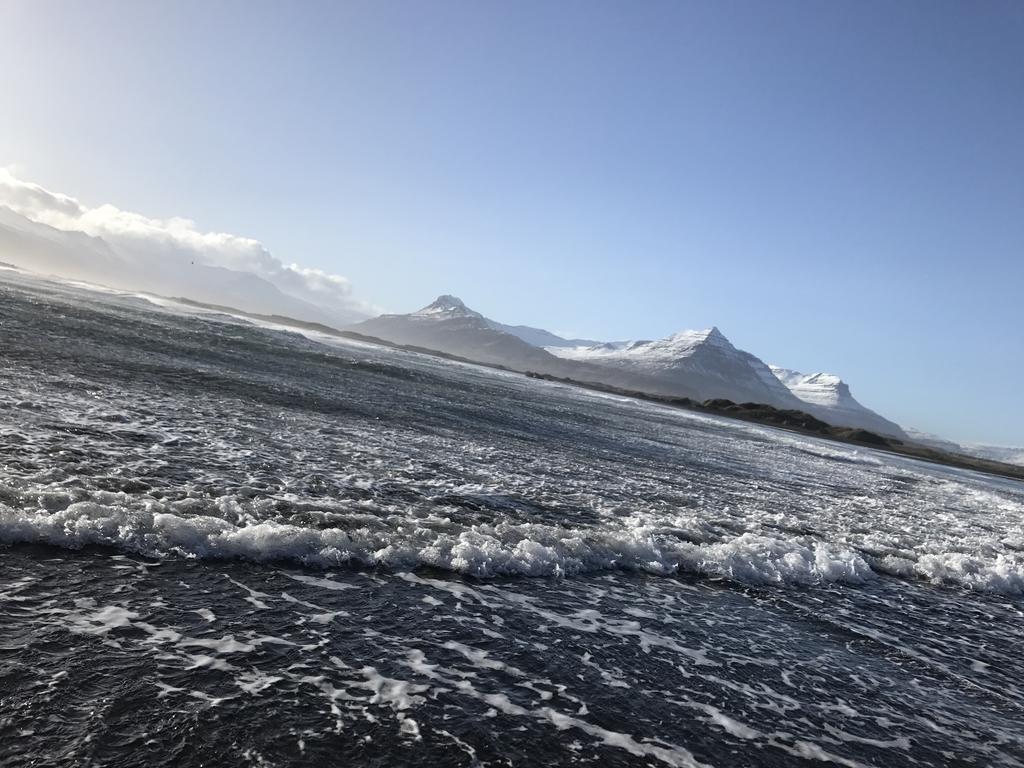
447,305
711,336
715,337
447,301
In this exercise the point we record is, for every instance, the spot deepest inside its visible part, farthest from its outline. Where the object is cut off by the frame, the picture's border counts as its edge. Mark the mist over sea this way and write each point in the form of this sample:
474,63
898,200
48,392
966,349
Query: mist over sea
230,544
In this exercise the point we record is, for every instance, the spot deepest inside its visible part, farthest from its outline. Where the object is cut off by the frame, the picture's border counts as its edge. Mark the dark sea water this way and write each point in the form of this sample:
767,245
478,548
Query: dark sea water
225,544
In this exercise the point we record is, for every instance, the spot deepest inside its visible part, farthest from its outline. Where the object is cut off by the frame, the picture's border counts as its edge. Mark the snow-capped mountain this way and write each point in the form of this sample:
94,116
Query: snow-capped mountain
701,361
448,325
697,364
445,307
707,362
829,397
448,306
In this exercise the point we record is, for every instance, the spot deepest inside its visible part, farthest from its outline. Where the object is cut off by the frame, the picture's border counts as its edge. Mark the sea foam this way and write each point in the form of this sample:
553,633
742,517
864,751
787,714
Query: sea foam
504,549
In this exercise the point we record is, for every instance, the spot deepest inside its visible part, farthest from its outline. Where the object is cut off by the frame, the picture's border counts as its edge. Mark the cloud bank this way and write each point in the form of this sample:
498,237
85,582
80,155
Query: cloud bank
177,241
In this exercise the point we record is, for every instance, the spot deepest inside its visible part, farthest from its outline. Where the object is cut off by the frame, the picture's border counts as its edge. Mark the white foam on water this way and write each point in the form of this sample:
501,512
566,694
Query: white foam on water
668,754
657,490
225,644
483,551
497,550
98,621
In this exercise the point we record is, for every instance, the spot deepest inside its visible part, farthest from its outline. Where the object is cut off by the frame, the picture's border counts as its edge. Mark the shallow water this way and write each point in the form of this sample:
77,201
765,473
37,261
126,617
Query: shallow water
230,544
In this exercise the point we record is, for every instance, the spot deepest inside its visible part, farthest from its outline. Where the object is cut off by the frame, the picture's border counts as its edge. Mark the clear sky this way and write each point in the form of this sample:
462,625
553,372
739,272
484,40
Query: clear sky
836,185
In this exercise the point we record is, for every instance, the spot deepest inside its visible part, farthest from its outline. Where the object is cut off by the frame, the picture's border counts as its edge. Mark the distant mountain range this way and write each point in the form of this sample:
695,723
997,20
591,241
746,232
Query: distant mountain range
701,361
700,365
697,364
448,325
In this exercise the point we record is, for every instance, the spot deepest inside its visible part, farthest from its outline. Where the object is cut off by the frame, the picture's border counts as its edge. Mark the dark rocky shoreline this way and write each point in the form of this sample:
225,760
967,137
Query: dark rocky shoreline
805,423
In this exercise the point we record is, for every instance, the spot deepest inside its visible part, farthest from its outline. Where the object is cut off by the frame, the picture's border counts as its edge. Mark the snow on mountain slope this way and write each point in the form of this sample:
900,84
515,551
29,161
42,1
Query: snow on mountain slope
448,325
708,363
446,307
697,364
779,390
703,361
830,399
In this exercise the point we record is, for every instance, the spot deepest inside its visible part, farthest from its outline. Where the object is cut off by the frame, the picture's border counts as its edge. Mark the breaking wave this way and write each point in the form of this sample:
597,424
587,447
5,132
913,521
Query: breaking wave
502,549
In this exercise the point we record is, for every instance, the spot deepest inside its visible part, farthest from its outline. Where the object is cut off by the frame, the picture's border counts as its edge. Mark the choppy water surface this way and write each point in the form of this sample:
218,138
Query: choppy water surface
227,544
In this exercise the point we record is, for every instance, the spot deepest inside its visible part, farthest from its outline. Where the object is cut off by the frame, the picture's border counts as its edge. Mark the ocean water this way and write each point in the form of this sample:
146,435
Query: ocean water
229,544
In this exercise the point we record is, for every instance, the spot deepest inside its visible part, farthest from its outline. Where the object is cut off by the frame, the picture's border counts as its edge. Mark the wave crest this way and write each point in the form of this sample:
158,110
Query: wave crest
483,551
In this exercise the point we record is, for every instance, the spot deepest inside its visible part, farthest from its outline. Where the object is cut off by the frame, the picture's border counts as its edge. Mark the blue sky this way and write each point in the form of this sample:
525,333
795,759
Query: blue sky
837,186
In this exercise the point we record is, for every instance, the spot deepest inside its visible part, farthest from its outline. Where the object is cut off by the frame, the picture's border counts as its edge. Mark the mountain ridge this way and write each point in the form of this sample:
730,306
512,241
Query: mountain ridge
827,394
448,325
705,361
699,364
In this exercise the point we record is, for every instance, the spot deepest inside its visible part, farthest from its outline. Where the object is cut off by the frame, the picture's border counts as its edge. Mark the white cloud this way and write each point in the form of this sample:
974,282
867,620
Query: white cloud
178,239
